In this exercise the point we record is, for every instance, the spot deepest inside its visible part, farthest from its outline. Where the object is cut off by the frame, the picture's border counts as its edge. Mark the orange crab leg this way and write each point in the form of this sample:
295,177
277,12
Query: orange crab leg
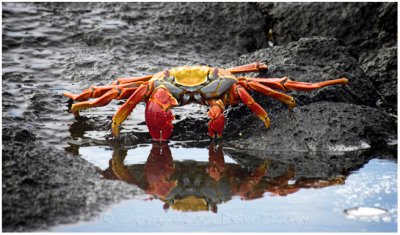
275,83
100,90
216,114
85,95
158,114
133,79
123,112
253,85
306,86
249,101
127,92
287,84
248,68
97,91
102,101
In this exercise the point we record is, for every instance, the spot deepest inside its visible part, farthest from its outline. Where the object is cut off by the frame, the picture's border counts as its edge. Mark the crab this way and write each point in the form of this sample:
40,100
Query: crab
179,86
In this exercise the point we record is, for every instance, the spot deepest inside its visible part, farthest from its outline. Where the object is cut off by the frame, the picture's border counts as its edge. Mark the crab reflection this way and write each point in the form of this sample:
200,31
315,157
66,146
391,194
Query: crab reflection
201,186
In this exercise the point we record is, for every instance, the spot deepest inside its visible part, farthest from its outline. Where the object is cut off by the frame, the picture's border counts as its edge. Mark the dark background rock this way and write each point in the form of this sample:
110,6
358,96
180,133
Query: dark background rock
369,30
381,68
363,26
314,60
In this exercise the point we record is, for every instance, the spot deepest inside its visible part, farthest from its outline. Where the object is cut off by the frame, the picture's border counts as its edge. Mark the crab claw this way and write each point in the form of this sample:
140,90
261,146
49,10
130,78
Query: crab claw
158,114
216,124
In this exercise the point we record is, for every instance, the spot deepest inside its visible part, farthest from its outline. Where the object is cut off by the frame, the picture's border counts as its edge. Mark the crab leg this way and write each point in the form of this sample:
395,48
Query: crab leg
216,114
85,95
249,101
248,68
102,101
97,91
253,85
130,80
287,84
159,115
123,112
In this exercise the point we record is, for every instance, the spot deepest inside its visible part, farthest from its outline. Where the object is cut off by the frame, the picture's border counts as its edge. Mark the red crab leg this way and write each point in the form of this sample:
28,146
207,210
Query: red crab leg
97,91
248,68
306,86
216,114
141,92
158,114
134,79
253,85
102,101
287,84
85,95
249,101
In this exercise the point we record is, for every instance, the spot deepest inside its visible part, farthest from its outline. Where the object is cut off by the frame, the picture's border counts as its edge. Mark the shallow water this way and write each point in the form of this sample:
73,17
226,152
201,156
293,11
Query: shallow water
238,198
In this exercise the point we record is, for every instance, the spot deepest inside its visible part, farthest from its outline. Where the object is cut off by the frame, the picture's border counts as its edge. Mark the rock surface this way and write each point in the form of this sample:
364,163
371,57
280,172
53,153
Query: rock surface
320,126
43,186
348,117
367,29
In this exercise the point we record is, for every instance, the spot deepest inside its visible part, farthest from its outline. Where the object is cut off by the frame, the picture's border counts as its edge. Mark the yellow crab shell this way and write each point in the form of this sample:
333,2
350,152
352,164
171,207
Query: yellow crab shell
190,203
195,82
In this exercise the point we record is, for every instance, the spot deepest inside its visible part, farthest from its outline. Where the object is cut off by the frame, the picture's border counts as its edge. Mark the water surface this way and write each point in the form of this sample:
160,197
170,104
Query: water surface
204,189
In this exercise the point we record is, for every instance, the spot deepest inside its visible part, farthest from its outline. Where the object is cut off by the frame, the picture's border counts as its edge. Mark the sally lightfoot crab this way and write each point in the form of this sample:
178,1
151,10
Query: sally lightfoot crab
179,86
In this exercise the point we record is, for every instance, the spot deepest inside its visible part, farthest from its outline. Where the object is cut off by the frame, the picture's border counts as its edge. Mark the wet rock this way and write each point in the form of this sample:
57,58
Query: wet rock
291,21
154,28
313,60
43,186
315,125
320,126
381,68
372,42
24,136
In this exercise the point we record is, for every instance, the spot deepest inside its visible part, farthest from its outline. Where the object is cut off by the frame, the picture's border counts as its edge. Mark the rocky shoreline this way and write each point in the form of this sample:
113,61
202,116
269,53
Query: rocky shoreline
49,48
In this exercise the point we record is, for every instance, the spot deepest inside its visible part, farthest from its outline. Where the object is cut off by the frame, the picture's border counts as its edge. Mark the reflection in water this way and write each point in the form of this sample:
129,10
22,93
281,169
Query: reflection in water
200,186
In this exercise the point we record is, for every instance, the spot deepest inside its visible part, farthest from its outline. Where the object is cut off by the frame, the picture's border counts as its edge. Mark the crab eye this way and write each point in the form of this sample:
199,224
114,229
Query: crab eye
213,74
168,77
